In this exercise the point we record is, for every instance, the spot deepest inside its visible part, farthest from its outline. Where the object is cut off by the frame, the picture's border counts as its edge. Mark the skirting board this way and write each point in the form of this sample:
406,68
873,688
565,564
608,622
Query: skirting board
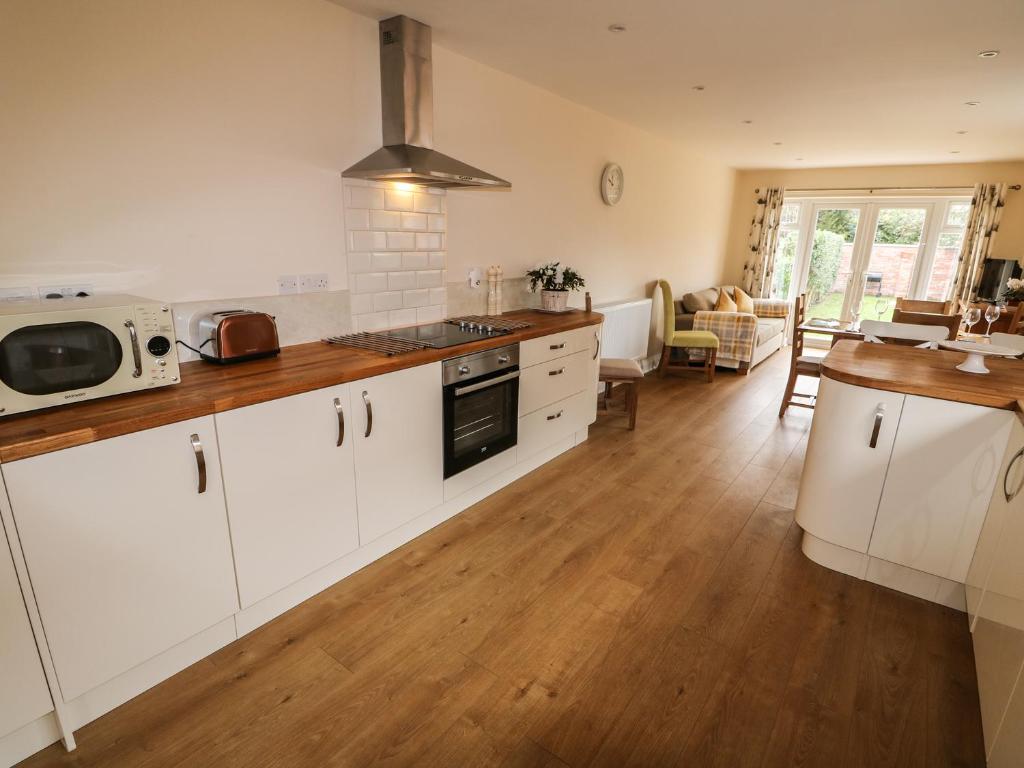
29,739
934,589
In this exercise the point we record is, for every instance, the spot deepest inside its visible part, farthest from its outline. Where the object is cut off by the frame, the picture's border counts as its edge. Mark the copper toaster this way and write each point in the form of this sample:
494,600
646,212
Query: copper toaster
237,335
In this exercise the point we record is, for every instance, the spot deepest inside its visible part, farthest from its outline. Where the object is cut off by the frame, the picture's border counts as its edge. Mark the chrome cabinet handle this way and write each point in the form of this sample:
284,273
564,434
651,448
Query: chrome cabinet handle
557,346
369,414
879,413
197,448
136,353
554,416
1006,478
341,420
503,359
597,338
557,373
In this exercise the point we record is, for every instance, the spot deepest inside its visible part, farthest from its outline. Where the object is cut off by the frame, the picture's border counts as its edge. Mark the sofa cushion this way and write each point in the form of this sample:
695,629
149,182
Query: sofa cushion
768,328
684,322
743,302
700,301
725,302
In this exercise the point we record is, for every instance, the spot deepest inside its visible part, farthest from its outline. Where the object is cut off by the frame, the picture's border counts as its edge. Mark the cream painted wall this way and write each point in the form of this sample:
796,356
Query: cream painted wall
193,150
1009,243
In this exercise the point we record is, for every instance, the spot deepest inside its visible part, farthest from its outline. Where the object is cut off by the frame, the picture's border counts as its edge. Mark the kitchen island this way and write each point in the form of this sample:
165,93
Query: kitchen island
913,480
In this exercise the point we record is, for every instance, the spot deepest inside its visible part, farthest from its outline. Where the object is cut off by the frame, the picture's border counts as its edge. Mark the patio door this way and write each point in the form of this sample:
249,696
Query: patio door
855,258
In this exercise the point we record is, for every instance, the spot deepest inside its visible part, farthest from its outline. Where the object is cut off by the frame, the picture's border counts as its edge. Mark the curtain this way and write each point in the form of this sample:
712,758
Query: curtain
979,232
764,236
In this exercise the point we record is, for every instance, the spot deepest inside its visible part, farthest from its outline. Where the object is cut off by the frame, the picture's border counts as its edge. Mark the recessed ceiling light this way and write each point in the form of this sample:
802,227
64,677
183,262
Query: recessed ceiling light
698,87
798,158
777,143
746,122
961,133
616,28
972,103
988,54
954,151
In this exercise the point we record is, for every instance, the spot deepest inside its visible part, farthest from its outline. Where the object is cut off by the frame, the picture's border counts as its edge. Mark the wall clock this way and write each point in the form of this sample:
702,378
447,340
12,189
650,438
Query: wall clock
612,183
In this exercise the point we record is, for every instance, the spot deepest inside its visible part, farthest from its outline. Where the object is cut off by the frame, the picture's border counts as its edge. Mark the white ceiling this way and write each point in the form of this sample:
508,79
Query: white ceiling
837,82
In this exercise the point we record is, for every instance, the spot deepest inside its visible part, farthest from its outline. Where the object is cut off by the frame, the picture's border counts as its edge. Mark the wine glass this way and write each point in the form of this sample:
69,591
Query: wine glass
991,315
854,316
972,316
881,305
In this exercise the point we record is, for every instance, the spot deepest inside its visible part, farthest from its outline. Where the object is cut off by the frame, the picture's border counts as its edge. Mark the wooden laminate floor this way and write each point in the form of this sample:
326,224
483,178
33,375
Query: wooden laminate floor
639,601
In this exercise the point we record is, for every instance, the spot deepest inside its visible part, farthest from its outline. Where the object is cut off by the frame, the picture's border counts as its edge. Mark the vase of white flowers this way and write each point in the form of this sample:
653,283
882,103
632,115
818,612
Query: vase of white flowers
1014,290
555,282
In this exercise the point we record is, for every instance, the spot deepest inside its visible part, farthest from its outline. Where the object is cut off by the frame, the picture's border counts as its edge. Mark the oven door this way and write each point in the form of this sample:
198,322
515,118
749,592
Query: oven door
481,419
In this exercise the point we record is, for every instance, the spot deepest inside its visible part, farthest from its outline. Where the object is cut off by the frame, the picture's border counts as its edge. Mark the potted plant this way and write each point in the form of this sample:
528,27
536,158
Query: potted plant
1014,290
555,281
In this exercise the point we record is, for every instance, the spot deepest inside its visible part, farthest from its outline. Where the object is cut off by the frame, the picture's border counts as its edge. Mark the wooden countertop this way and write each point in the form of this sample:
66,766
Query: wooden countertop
206,388
926,372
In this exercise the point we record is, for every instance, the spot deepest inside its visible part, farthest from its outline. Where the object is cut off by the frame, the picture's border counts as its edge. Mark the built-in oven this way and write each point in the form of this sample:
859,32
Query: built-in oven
481,407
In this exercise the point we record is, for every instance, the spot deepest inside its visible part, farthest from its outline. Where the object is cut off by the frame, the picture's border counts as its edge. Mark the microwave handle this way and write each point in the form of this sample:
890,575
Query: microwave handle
136,353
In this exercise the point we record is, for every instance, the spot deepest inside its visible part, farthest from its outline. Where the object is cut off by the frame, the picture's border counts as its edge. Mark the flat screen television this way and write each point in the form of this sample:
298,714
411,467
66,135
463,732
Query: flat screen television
994,275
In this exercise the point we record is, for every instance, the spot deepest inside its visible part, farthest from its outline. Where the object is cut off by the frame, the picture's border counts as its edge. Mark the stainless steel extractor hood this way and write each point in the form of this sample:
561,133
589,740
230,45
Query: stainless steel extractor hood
407,101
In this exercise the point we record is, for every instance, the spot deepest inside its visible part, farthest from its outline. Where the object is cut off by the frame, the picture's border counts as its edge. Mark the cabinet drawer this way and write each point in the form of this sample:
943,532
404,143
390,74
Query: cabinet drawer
547,426
547,348
549,382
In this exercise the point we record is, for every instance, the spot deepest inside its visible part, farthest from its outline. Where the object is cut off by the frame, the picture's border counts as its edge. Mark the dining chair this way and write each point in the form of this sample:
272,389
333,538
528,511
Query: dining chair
1011,340
1009,321
799,363
884,332
705,341
950,322
921,305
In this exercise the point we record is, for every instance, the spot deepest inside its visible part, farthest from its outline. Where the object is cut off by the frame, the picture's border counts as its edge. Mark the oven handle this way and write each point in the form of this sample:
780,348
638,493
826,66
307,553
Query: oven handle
136,354
459,391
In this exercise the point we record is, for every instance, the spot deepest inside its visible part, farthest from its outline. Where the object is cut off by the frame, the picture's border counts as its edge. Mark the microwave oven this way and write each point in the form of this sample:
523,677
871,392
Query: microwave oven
58,351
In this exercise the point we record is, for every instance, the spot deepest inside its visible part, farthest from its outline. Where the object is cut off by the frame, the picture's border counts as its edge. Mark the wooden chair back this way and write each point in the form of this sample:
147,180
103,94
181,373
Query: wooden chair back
921,305
882,332
799,312
950,322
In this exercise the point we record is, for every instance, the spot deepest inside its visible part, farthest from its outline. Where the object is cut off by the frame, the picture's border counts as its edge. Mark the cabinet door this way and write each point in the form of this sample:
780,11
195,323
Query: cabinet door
843,472
24,696
1008,480
943,469
592,339
290,487
398,446
127,557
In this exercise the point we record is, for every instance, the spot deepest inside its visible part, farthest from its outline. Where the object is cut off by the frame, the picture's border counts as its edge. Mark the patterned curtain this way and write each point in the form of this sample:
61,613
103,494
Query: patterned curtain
982,225
764,236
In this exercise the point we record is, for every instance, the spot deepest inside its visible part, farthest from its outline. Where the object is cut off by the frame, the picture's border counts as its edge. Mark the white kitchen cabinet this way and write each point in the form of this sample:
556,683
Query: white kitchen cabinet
127,552
591,338
1008,749
1009,479
24,696
289,481
547,426
846,463
545,348
546,383
399,451
939,483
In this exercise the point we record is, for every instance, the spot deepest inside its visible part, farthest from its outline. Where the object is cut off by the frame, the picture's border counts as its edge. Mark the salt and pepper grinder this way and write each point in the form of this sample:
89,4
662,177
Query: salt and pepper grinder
497,289
492,290
589,303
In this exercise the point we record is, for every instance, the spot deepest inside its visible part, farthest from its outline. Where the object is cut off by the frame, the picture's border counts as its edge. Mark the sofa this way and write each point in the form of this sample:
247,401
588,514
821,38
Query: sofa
744,339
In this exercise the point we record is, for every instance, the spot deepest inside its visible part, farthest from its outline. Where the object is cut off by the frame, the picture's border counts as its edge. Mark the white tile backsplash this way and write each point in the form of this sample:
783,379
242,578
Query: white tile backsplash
396,258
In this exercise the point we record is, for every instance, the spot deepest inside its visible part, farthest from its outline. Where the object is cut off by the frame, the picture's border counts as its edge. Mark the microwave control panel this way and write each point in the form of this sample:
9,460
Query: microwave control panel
155,327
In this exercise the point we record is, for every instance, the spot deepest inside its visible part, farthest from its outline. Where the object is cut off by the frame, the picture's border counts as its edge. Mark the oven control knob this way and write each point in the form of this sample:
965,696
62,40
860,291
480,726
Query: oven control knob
464,370
503,360
158,346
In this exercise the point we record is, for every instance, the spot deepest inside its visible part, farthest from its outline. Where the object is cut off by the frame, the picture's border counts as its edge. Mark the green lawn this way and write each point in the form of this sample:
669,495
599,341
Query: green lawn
832,303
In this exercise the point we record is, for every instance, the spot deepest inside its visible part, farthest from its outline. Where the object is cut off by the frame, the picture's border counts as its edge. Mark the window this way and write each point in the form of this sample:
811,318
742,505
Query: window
947,249
785,249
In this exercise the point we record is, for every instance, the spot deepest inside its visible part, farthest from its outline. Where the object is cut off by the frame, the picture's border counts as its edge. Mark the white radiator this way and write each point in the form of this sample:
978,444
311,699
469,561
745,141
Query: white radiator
627,328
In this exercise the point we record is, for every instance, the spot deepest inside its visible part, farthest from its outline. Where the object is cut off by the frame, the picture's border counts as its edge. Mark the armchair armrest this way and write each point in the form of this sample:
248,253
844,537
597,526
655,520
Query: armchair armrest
736,332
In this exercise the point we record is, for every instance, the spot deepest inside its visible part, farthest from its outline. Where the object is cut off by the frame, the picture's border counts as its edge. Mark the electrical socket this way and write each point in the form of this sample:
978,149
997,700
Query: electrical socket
313,283
287,284
75,290
19,294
